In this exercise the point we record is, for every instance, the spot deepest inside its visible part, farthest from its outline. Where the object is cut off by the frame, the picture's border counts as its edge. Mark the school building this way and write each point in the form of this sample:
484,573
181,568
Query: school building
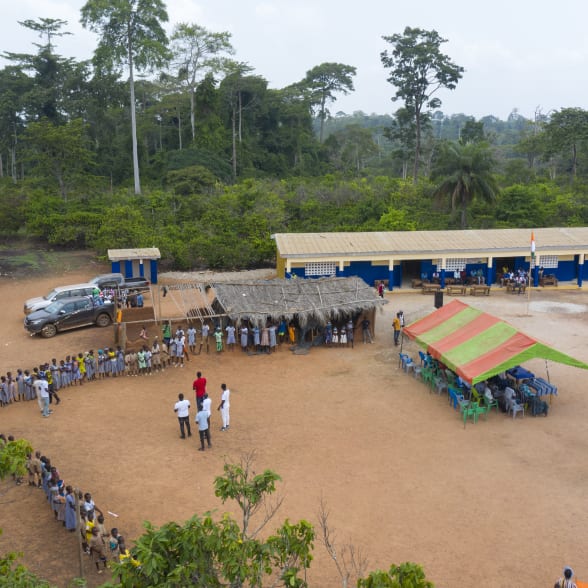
400,257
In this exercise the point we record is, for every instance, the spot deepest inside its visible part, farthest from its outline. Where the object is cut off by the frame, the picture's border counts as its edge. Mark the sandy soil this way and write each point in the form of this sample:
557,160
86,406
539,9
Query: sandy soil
498,503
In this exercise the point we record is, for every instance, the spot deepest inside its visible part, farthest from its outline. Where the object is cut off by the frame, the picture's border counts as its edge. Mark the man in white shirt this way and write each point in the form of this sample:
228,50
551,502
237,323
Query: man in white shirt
207,407
203,429
182,408
42,389
224,406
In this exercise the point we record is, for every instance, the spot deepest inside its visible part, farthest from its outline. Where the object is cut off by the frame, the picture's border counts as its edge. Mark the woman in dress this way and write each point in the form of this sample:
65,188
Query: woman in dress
70,509
230,329
272,337
265,339
244,337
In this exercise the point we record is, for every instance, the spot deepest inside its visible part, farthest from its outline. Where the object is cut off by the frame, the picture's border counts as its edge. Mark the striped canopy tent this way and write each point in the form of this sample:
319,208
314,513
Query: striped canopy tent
476,345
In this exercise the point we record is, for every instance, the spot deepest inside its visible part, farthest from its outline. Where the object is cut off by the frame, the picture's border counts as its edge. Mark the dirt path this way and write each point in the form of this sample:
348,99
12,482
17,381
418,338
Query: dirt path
403,480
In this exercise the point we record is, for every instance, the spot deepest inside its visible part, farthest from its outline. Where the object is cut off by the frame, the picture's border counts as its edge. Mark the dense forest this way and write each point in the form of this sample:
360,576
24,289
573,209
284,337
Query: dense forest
170,141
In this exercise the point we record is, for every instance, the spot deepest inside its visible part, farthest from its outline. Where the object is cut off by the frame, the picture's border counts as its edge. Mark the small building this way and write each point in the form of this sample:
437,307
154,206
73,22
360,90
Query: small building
399,257
308,303
135,262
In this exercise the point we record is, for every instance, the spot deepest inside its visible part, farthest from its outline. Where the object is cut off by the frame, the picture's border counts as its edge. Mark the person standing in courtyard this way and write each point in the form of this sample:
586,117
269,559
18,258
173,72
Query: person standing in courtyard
203,428
230,329
207,407
204,332
43,388
218,337
192,338
396,328
182,408
224,406
199,386
566,581
350,332
365,329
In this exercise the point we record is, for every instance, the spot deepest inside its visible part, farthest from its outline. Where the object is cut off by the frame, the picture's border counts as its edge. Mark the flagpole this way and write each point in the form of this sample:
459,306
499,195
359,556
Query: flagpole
530,270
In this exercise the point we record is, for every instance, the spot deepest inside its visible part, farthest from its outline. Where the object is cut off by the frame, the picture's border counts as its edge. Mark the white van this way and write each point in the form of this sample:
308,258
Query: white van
33,304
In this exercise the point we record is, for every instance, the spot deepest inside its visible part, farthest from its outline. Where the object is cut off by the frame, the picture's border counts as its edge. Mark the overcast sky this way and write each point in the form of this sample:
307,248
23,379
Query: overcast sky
517,54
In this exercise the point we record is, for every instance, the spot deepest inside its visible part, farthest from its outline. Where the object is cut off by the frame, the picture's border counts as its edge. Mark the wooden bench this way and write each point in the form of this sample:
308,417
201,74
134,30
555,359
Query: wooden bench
480,289
549,280
428,288
416,283
516,288
455,289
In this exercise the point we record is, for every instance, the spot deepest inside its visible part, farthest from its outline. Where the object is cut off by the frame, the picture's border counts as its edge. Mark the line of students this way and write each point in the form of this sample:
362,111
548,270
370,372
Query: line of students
101,545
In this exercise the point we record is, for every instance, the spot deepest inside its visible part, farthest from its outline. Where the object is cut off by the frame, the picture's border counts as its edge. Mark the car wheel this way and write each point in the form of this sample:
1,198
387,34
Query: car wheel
48,331
103,320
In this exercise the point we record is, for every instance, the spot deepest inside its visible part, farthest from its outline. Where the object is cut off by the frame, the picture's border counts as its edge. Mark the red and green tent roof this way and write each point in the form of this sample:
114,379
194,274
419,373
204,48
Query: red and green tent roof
476,345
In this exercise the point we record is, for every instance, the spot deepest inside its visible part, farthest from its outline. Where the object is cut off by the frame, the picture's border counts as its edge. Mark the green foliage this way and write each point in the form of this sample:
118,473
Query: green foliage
207,552
59,152
122,226
191,180
122,21
406,575
13,457
322,82
15,575
465,172
566,133
418,70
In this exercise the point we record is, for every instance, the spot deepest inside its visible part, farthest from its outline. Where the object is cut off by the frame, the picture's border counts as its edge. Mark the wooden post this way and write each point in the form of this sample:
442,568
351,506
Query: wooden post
79,531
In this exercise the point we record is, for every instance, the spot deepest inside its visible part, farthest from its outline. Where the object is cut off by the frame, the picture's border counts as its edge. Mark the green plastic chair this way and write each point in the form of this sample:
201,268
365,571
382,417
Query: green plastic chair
481,409
489,404
428,376
470,410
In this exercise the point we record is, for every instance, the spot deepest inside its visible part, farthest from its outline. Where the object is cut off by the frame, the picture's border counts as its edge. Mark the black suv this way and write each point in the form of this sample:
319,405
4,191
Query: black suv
69,313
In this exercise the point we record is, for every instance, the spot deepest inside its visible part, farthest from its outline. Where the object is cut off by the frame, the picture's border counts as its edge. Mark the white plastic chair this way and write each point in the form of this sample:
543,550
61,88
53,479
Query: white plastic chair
515,408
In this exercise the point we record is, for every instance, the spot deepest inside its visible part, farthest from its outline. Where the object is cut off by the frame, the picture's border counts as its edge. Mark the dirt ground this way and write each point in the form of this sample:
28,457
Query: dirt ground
499,503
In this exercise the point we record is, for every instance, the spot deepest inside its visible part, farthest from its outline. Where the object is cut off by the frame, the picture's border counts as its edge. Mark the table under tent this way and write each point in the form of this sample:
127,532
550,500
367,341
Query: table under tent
476,358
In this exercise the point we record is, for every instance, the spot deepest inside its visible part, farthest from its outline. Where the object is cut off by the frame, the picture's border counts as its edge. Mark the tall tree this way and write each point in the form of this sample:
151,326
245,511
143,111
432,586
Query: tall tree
465,173
565,132
196,52
401,133
131,34
46,27
418,70
324,81
60,153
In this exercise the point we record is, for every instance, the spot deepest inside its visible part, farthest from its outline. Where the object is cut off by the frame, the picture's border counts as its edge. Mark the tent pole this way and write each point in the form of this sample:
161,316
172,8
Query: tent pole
548,381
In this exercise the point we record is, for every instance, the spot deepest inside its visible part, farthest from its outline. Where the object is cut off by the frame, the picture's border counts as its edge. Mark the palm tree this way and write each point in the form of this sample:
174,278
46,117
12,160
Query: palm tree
466,173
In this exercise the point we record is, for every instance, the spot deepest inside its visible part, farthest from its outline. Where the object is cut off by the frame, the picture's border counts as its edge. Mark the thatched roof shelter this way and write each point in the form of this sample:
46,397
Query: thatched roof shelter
310,302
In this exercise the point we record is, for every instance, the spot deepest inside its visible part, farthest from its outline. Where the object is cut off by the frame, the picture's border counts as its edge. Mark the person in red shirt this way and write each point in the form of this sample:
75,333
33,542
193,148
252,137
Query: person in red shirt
199,386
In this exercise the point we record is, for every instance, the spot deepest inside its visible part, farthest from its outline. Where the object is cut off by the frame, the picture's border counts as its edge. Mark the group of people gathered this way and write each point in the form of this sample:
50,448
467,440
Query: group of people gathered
519,279
74,509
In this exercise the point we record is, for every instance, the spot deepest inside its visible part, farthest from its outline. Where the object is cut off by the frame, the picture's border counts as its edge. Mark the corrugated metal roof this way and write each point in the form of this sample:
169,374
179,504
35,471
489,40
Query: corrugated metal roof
491,241
139,253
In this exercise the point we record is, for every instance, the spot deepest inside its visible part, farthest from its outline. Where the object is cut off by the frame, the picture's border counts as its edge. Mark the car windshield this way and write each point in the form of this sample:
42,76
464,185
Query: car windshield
54,307
50,295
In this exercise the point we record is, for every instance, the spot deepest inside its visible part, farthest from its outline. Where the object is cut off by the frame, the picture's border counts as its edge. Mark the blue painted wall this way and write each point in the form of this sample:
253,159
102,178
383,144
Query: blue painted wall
427,267
115,267
566,270
363,269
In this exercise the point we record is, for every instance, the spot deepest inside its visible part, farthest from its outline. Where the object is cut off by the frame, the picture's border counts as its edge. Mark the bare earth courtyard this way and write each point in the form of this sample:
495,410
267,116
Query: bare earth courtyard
496,504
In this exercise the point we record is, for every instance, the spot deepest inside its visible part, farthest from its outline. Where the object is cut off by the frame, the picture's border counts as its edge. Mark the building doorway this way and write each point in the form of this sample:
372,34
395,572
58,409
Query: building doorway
411,270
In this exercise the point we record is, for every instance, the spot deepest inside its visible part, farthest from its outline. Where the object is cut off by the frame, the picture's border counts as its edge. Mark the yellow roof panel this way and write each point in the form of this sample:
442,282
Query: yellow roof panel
490,241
